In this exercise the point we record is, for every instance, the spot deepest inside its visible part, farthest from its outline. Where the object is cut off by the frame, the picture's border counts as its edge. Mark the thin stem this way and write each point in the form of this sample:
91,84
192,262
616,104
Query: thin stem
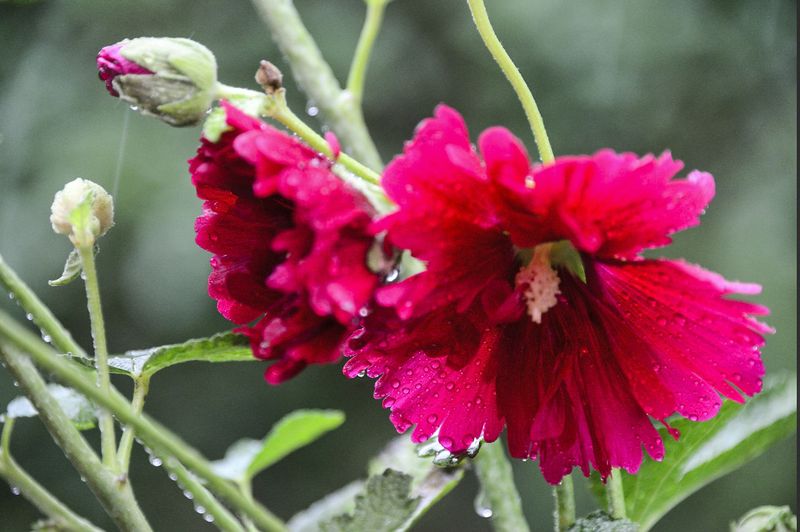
275,107
202,497
154,434
338,108
108,443
114,493
497,481
140,387
358,68
564,494
481,18
42,317
615,495
25,485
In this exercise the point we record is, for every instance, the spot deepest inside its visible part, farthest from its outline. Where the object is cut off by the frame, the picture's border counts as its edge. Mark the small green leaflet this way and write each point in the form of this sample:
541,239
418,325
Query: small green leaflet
400,489
223,347
246,458
72,269
77,408
710,449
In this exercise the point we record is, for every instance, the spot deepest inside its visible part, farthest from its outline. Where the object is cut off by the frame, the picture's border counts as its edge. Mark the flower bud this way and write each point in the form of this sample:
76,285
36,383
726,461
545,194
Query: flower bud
767,518
169,78
82,210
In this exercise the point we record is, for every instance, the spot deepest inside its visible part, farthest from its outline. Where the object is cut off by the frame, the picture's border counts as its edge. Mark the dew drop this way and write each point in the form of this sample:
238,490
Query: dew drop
432,418
208,518
199,509
15,490
446,441
29,316
312,109
155,461
188,494
692,417
482,506
395,384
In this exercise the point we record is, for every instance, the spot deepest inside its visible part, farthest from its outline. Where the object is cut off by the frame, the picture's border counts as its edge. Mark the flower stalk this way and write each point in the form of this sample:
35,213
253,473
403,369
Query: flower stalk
495,47
615,496
564,494
25,485
497,481
358,68
140,388
108,443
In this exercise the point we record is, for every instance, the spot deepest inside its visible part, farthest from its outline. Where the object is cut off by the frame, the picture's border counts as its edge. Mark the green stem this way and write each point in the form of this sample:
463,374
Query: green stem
113,492
481,18
275,107
564,494
497,482
108,443
615,495
140,387
223,519
339,108
34,492
154,434
246,487
42,317
358,68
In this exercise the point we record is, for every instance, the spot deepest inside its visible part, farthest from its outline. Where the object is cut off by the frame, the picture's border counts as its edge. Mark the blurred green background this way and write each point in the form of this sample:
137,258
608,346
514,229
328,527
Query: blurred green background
712,80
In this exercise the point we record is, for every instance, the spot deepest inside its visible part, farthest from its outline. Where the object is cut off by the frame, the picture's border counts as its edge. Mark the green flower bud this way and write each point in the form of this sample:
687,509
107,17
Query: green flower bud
83,211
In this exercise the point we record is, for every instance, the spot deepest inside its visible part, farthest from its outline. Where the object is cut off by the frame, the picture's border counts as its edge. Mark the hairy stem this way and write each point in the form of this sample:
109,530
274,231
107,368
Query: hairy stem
140,387
481,18
615,496
358,68
41,315
113,492
223,519
108,443
339,108
497,481
564,494
154,434
43,500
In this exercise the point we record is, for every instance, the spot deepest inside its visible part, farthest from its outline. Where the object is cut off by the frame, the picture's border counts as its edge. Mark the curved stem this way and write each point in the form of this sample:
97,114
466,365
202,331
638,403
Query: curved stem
42,499
481,18
140,387
108,443
41,315
497,481
564,494
223,519
154,434
358,68
338,107
615,495
113,492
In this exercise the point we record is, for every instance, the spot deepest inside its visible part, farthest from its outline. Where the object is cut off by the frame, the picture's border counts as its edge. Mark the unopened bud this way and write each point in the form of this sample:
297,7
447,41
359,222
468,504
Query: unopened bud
170,78
82,210
767,518
269,77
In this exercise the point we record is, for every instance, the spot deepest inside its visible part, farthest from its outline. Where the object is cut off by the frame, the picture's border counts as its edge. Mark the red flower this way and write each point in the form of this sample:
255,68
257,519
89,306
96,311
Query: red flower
111,63
290,242
536,310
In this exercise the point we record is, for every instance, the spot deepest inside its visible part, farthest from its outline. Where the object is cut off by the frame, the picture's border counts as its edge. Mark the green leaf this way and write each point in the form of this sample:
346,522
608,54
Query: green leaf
340,501
427,484
222,347
600,521
384,506
72,270
710,449
77,408
246,458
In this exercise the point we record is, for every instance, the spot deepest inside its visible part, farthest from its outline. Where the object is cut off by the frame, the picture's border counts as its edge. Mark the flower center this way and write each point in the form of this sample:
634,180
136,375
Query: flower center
539,283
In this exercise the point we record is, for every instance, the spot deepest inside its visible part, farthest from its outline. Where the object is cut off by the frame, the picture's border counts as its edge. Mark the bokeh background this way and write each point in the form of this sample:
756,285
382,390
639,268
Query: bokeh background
711,80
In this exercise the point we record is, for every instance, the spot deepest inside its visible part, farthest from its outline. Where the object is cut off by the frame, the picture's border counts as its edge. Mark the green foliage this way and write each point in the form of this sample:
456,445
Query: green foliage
600,521
246,458
72,269
222,347
385,505
767,519
710,449
77,408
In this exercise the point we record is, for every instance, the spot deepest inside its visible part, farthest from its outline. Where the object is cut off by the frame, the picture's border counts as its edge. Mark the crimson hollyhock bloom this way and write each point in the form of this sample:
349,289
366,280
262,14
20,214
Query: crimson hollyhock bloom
111,63
290,243
536,310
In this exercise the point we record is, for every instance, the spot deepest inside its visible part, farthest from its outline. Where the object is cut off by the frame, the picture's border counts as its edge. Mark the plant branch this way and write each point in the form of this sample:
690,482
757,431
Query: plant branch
154,434
497,481
339,108
564,494
108,443
481,18
358,68
140,387
114,493
615,496
42,317
34,492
